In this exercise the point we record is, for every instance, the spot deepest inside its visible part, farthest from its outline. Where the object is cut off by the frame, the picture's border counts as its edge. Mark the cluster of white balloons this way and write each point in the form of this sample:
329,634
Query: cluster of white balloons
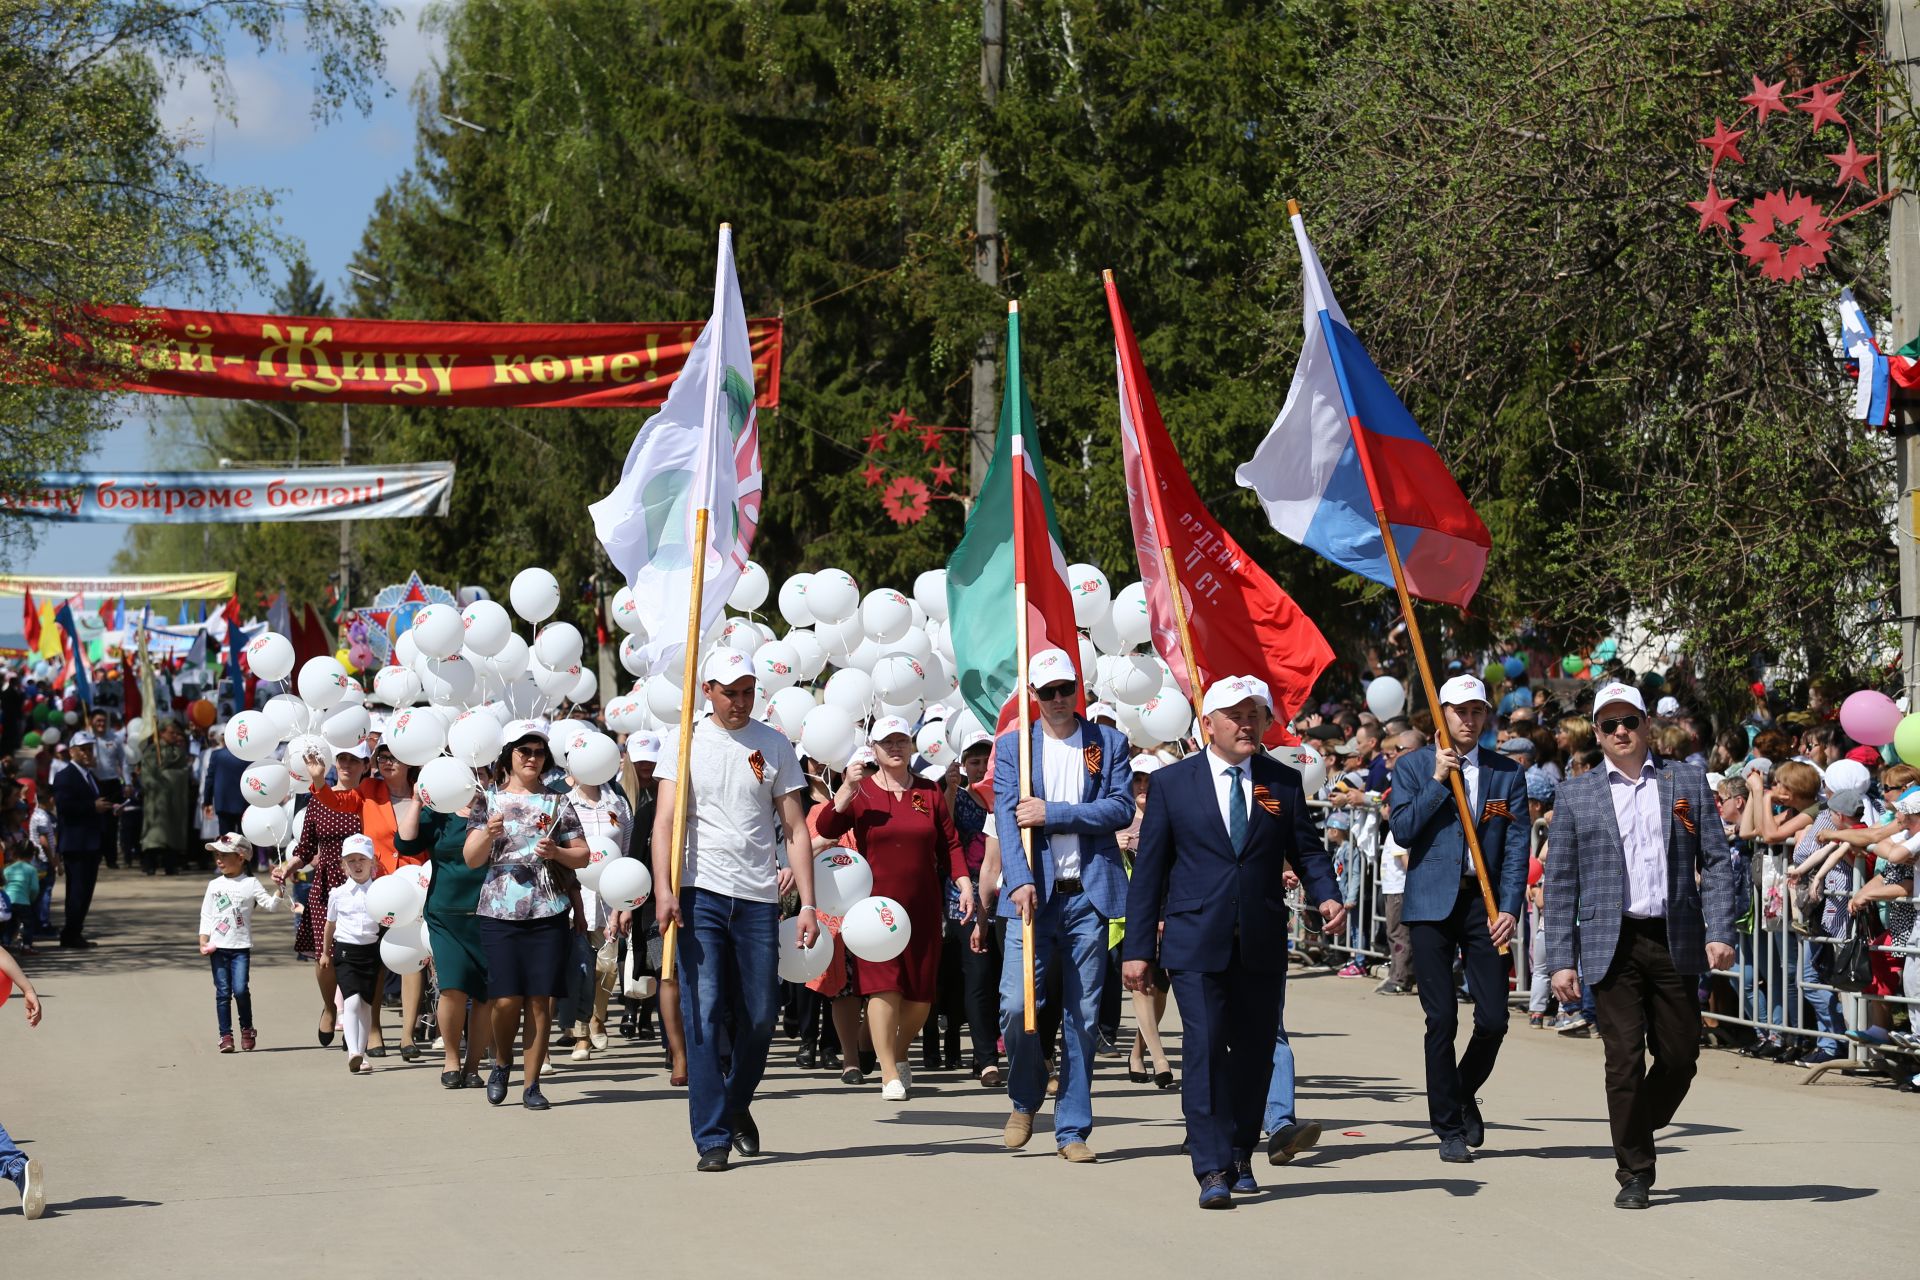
873,927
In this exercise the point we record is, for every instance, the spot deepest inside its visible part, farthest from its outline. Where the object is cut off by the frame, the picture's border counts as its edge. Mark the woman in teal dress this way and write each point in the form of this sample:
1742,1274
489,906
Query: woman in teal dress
459,961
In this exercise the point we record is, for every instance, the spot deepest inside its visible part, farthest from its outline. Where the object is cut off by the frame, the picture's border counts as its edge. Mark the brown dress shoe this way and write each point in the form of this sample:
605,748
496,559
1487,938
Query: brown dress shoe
1077,1153
1019,1129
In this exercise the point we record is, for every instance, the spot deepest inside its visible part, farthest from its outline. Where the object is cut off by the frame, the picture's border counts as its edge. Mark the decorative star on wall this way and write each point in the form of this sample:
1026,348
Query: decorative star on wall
1765,99
1723,142
1713,209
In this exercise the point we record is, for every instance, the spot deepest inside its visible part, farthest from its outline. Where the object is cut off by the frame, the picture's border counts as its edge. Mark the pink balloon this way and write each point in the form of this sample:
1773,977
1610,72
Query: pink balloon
1869,717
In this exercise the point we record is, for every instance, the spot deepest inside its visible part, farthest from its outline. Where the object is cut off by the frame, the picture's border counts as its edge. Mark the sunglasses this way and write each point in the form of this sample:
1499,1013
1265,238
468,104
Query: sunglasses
529,749
1629,723
1055,692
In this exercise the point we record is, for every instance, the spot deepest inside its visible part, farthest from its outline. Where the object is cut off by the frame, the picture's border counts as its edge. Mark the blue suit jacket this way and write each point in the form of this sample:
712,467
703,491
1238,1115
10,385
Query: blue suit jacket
1586,882
1185,870
1424,818
73,797
222,787
1105,806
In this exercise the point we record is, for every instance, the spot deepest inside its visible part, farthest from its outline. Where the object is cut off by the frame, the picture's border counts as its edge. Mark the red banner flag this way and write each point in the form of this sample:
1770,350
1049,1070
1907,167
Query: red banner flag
233,355
30,620
1241,622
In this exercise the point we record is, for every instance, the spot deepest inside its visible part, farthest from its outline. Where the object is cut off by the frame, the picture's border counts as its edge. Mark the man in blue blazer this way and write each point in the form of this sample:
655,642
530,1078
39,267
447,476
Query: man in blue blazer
1219,830
1640,893
83,811
1445,913
1082,795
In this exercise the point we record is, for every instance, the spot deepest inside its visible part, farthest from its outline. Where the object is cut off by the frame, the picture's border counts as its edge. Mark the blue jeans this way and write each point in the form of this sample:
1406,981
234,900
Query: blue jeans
1067,927
13,1162
230,984
728,954
1280,1091
1816,965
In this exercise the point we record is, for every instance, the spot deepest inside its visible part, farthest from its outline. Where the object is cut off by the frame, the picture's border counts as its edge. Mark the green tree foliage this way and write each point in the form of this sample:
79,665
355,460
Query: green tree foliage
98,204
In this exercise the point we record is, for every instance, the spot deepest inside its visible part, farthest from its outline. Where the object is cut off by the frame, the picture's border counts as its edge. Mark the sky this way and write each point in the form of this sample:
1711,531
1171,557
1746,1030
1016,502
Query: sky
325,179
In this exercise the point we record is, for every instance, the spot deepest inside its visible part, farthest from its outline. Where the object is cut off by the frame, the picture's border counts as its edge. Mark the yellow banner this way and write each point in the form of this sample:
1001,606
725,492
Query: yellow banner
138,586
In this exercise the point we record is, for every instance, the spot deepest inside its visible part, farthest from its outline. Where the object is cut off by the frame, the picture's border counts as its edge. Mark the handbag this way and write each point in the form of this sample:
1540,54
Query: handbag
1853,959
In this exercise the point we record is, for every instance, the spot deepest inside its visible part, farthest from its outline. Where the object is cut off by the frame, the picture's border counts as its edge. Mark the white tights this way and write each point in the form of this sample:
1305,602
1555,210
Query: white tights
359,1023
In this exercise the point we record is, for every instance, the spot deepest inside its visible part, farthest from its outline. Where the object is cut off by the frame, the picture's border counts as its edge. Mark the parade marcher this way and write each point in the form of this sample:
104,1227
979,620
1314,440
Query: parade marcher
904,829
352,938
332,814
28,1174
528,838
744,792
1082,795
110,770
603,812
1149,1003
220,798
1220,830
84,813
166,774
226,934
1640,899
459,960
1445,911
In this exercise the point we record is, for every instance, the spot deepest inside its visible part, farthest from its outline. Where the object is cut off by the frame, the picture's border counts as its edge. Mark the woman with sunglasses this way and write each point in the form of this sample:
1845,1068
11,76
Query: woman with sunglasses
902,826
530,842
332,815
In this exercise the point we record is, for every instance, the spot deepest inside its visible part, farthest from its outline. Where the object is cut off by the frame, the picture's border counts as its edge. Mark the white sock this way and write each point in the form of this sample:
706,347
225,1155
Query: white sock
359,1019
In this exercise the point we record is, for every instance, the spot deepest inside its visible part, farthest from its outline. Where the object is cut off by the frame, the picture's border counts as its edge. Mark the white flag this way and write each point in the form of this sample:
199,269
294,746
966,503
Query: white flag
702,450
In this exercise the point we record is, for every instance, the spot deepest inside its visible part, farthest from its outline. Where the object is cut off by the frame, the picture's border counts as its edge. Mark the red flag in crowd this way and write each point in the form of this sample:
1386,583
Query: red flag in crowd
30,623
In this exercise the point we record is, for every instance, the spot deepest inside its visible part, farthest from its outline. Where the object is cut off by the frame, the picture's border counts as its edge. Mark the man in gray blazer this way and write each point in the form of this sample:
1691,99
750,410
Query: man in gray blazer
1640,899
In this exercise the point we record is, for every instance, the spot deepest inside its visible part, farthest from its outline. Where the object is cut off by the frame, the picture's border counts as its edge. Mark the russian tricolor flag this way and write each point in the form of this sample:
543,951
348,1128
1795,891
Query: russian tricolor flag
1872,392
1345,447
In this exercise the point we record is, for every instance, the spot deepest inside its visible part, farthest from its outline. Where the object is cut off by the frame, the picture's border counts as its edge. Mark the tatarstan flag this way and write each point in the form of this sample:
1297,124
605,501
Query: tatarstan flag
1011,538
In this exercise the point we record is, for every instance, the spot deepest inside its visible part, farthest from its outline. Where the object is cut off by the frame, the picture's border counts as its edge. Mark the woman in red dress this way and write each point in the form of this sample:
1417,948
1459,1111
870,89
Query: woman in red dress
903,827
332,815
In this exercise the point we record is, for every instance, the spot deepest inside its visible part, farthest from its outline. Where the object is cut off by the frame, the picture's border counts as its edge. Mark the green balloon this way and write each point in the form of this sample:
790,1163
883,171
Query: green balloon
1494,674
1906,739
31,740
43,714
1572,663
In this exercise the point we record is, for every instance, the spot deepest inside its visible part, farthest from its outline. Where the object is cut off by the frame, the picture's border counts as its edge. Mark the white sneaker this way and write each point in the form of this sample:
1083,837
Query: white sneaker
894,1091
33,1192
581,1053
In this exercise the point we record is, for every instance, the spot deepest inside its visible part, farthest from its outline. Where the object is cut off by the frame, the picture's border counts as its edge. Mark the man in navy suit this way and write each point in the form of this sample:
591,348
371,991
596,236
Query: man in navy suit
1082,794
83,811
1444,911
1219,830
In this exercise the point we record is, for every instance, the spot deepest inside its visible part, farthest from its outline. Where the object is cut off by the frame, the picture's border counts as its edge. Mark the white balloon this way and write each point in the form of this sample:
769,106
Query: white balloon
345,727
322,683
415,736
448,681
554,682
562,734
839,639
559,644
534,594
876,929
1313,769
961,727
798,965
474,739
445,785
396,686
288,713
266,784
776,664
851,690
1167,716
1131,621
865,656
406,651
841,877
1105,636
51,734
1090,664
252,735
930,593
488,627
1092,593
510,663
916,642
793,600
620,715
265,825
833,596
908,711
270,656
405,948
626,613
593,759
601,853
663,699
741,634
898,677
885,615
787,710
1386,697
931,739
351,696
625,883
633,656
585,689
813,657
750,592
395,900
438,630
300,748
1136,679
830,736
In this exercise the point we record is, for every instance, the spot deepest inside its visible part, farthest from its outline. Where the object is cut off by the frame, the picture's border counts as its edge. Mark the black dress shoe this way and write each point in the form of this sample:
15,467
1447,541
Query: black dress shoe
713,1160
1454,1151
806,1060
534,1100
409,1053
746,1134
1634,1194
473,1080
1291,1140
1476,1127
1243,1179
1214,1193
497,1086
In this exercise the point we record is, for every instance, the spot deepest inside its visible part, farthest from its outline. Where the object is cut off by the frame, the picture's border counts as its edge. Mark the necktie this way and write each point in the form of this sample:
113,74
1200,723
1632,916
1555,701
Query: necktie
1236,812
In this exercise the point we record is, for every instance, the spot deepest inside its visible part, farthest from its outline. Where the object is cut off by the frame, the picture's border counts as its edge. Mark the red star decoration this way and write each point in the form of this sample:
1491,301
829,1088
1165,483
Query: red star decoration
876,441
874,474
929,439
1853,165
906,500
1765,98
900,419
1724,142
1774,212
1713,209
942,474
1823,105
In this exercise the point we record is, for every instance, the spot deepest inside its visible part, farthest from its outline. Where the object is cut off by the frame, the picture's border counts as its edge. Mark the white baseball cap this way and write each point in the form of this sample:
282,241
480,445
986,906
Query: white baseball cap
1146,762
1668,706
359,750
1051,666
929,770
643,748
517,730
1461,690
1614,691
977,738
726,665
1847,775
1907,805
81,739
1098,709
885,727
1231,691
357,846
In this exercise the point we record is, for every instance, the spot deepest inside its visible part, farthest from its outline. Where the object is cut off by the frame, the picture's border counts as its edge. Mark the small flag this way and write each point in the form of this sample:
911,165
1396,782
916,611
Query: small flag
30,620
1872,381
76,656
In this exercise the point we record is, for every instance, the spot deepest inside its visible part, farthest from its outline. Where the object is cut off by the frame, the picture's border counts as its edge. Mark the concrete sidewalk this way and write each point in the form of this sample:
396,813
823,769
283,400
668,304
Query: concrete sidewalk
165,1158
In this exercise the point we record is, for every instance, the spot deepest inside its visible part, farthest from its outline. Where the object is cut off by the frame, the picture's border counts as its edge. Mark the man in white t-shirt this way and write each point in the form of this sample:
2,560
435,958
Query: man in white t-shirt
1082,795
744,788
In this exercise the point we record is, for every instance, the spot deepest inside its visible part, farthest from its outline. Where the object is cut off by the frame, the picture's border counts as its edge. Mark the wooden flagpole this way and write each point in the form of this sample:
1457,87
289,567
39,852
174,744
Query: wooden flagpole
1440,736
689,681
1016,479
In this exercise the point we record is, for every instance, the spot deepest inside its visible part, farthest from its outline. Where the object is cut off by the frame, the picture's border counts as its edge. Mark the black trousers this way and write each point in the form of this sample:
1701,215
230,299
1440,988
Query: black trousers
111,789
83,872
1229,1021
1452,1082
1645,1006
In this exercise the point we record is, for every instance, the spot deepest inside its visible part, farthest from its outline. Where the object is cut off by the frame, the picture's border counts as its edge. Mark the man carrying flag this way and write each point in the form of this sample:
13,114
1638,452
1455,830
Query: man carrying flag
1062,788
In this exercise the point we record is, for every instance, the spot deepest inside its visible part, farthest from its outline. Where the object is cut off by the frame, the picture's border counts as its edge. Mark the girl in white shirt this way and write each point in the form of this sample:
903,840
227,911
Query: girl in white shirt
226,933
353,940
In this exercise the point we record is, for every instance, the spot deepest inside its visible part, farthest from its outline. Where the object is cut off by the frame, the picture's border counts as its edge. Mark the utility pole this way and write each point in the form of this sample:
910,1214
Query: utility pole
1902,22
346,526
986,247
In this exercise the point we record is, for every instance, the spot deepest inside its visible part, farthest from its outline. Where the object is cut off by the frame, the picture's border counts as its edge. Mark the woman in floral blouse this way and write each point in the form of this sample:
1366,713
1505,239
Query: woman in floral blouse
529,840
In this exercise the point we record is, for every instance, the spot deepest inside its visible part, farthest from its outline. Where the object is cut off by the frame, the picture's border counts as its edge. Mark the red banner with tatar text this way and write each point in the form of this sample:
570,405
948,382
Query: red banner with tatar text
233,355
